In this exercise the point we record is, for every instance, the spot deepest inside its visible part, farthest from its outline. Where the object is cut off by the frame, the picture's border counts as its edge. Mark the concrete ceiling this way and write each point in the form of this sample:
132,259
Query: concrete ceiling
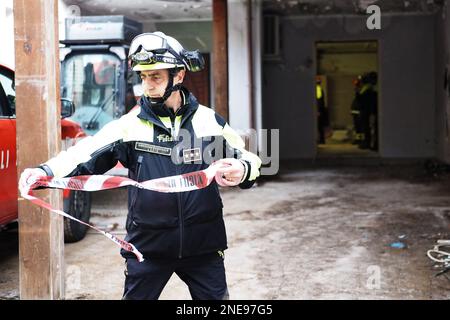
348,6
145,10
148,11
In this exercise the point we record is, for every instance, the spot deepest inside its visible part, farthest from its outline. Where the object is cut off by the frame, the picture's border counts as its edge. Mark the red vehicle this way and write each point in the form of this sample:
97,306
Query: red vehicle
76,203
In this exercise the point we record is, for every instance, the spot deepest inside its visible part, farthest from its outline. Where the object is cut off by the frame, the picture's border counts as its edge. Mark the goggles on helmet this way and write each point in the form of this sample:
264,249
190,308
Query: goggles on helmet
148,42
149,48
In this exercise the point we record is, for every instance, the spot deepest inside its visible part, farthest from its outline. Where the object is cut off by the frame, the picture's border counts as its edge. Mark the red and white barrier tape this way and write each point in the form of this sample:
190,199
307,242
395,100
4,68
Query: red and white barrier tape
180,183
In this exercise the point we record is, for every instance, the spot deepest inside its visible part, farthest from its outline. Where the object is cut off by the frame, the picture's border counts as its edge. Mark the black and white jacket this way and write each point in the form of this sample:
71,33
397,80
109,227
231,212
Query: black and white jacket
153,142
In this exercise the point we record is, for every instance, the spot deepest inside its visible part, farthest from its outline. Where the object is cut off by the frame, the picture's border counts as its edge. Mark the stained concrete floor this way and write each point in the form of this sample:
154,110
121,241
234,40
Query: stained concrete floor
311,233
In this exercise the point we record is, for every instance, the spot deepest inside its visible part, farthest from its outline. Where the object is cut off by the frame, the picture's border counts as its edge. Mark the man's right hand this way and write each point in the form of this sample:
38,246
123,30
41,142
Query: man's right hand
28,177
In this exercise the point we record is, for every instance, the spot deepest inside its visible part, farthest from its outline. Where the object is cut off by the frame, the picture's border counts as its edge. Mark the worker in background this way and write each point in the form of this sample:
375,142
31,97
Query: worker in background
322,111
368,107
356,112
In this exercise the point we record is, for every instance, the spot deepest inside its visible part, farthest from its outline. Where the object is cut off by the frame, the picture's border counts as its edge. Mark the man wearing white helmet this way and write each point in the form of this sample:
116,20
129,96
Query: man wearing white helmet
170,134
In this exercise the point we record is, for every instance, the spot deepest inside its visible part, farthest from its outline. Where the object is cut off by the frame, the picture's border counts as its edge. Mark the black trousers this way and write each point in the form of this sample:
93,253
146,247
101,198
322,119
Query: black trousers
204,276
365,128
323,122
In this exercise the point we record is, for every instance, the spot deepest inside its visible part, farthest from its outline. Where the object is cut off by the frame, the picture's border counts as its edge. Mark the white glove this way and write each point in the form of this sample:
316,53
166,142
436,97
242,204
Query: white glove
28,177
230,172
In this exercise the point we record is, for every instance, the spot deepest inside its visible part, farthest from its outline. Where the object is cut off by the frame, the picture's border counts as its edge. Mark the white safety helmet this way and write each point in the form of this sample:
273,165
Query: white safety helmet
154,51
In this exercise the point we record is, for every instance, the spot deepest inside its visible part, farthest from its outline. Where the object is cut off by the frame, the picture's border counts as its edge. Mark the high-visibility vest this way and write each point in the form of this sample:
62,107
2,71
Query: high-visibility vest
319,93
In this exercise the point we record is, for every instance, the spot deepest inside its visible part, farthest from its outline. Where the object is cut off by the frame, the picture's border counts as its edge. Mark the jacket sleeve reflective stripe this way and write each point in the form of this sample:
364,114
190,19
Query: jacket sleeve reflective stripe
206,122
235,141
67,161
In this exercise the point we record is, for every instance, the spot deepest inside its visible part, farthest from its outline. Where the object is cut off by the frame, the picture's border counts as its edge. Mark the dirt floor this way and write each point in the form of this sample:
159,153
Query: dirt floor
316,233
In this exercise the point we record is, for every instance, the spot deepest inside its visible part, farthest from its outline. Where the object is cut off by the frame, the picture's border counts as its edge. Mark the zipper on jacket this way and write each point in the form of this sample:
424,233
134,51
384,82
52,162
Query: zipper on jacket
172,129
172,122
180,212
139,164
180,217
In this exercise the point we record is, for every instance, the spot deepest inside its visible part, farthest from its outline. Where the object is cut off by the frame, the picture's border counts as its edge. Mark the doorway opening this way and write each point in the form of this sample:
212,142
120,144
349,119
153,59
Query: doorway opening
347,98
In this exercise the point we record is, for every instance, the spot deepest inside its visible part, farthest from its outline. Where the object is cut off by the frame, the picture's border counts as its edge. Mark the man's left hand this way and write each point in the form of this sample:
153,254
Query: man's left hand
230,172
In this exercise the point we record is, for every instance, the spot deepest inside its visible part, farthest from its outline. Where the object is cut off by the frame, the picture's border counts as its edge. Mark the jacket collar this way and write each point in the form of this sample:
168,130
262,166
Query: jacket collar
150,110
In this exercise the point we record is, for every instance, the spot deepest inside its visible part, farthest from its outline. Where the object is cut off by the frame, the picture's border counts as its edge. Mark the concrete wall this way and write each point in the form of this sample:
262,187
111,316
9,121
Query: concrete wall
238,65
406,88
244,64
443,93
257,62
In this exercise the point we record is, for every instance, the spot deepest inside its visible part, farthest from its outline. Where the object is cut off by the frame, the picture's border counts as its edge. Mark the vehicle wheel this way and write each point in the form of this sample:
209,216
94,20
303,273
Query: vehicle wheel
77,205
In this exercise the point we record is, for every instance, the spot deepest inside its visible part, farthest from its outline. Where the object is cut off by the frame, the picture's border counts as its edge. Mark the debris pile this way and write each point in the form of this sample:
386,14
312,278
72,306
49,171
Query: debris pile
440,254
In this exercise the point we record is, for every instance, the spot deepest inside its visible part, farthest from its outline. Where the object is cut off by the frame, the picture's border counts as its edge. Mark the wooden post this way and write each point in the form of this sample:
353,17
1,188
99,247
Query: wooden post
41,245
220,57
